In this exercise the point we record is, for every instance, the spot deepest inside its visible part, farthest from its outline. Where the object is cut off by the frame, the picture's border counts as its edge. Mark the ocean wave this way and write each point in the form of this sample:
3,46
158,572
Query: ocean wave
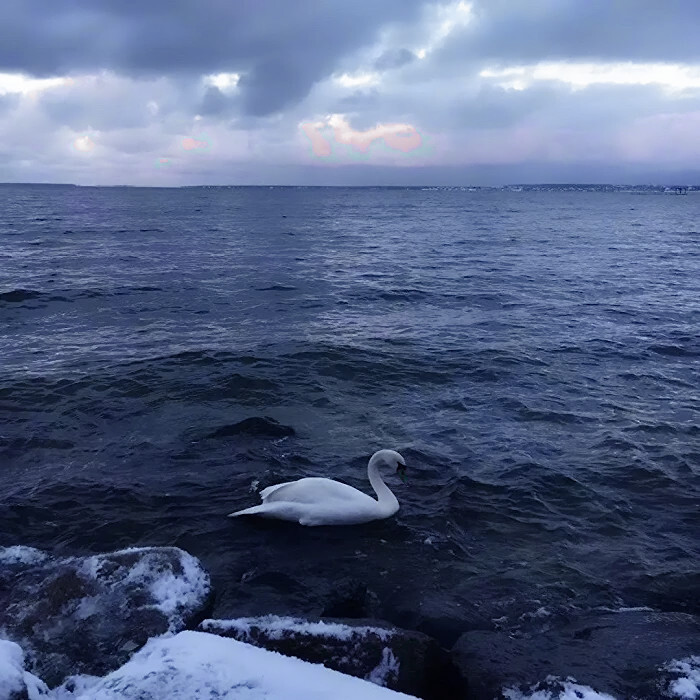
256,426
562,417
16,296
43,298
277,288
675,350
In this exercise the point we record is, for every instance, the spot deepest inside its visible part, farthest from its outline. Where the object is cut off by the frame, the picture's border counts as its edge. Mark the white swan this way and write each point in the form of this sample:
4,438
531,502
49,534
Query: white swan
317,501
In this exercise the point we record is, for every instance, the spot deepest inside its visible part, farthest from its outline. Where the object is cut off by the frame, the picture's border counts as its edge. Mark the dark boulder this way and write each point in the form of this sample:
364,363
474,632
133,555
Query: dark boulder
409,662
616,653
87,615
435,615
351,599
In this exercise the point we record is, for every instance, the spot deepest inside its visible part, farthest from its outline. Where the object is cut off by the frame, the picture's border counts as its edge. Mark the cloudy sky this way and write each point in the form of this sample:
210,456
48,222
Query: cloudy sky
170,92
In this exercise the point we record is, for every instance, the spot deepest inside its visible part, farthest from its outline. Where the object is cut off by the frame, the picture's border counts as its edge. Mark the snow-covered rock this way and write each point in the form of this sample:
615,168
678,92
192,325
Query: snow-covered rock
409,662
196,665
88,615
678,680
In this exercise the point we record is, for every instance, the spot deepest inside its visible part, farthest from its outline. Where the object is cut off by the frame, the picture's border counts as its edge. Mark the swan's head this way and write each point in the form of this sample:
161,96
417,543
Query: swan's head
392,459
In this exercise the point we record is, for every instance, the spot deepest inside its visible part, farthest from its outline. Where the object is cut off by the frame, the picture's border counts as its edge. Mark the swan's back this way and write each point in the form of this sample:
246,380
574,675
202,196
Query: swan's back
314,490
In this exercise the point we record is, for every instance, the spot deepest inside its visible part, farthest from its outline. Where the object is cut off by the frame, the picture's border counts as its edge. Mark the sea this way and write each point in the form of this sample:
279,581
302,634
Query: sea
534,355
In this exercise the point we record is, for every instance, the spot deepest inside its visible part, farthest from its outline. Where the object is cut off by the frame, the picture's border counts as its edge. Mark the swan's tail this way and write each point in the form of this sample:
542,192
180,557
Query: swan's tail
254,510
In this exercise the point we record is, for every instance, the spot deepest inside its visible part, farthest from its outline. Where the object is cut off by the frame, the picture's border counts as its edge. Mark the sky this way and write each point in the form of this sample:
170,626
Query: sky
361,92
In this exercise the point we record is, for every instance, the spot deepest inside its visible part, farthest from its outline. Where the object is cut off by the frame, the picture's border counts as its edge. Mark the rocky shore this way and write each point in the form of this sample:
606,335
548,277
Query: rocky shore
136,623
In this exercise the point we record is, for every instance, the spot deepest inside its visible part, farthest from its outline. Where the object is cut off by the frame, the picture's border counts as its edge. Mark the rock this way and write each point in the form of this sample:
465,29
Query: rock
15,682
435,615
197,665
616,653
409,662
351,599
88,615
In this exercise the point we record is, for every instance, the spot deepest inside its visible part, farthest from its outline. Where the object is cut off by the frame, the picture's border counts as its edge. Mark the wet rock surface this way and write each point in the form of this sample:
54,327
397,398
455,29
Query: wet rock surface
616,653
87,615
406,661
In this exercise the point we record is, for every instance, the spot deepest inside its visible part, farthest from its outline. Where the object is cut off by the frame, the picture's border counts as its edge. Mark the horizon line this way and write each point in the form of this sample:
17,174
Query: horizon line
673,185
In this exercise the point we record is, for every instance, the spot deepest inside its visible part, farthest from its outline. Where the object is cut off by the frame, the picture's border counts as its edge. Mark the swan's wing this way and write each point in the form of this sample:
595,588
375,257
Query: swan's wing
264,494
314,490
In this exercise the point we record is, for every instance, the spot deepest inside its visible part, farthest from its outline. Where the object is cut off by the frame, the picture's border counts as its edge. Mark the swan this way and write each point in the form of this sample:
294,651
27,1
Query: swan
318,501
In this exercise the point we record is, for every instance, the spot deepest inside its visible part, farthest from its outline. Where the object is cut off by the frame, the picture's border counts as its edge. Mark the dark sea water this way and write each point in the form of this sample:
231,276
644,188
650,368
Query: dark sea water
535,357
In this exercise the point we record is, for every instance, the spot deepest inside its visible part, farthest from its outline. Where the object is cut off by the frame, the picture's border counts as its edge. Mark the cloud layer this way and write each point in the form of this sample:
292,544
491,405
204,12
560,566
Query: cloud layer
183,92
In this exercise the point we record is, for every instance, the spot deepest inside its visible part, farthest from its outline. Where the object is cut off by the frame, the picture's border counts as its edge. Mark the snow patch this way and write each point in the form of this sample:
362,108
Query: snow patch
11,668
171,592
36,688
555,689
199,665
73,687
687,685
13,678
387,669
275,627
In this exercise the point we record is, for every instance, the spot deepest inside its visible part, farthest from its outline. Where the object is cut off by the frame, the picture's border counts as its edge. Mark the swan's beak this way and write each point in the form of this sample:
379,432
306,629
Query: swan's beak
401,471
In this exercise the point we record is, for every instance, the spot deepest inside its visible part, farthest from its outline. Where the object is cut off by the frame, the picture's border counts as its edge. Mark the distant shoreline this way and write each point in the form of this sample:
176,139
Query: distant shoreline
515,187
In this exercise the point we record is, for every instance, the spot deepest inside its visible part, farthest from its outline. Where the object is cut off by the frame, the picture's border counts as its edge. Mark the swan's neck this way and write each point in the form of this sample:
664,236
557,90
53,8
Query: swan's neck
387,500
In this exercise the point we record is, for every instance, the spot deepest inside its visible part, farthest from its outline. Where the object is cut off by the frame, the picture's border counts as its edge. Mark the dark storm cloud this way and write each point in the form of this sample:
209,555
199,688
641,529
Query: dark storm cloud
278,81
281,46
215,102
152,96
507,31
